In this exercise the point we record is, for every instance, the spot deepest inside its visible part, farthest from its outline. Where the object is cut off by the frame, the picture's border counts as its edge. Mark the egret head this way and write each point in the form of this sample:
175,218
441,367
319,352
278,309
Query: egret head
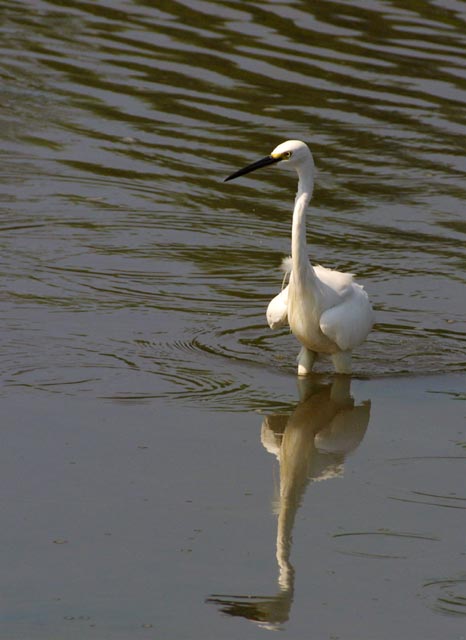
292,153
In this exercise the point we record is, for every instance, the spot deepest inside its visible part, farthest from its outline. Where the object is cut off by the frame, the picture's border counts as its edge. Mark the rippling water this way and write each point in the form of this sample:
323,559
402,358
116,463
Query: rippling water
131,270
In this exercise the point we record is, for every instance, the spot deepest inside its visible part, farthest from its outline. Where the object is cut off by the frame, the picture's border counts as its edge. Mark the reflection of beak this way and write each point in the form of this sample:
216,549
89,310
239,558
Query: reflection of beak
263,162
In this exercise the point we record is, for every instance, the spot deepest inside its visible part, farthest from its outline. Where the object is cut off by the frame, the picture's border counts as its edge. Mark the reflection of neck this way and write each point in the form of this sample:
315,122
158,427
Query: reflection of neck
286,519
296,450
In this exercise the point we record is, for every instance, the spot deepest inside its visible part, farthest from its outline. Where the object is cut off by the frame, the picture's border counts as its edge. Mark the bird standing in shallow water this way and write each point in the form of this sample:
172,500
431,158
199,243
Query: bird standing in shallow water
326,310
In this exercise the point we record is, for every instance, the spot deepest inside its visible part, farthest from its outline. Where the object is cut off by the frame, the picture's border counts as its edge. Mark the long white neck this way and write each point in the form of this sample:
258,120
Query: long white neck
299,254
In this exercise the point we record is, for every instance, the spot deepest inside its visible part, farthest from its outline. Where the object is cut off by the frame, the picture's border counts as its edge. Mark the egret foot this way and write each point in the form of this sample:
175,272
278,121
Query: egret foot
306,361
342,361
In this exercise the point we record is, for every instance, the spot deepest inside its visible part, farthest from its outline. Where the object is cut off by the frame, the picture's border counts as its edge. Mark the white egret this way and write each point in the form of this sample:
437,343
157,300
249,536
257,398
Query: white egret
326,310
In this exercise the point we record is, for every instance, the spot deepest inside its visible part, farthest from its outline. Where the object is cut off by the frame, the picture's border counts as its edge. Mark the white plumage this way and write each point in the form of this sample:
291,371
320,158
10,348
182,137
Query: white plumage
326,310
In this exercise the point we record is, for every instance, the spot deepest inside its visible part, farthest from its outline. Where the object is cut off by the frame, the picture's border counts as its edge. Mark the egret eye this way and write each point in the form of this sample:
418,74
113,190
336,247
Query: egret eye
287,155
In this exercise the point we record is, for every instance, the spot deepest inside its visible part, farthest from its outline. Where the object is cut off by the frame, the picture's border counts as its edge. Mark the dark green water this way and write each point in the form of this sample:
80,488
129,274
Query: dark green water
134,289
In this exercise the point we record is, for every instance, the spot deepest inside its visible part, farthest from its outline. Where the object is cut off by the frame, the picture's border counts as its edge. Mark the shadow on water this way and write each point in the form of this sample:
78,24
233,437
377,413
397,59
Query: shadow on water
311,445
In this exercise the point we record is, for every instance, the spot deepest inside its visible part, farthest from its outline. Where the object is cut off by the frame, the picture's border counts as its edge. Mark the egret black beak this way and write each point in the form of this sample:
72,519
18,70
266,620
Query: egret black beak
263,162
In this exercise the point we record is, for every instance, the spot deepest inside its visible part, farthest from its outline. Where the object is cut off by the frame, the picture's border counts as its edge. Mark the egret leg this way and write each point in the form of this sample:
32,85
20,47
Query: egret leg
306,361
342,361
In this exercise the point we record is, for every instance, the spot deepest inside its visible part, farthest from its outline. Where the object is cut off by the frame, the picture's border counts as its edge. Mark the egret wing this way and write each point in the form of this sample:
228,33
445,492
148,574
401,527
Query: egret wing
277,311
348,323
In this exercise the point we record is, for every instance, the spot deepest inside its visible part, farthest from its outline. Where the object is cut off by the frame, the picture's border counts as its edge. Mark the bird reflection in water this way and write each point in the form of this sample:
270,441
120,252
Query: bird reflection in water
311,444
